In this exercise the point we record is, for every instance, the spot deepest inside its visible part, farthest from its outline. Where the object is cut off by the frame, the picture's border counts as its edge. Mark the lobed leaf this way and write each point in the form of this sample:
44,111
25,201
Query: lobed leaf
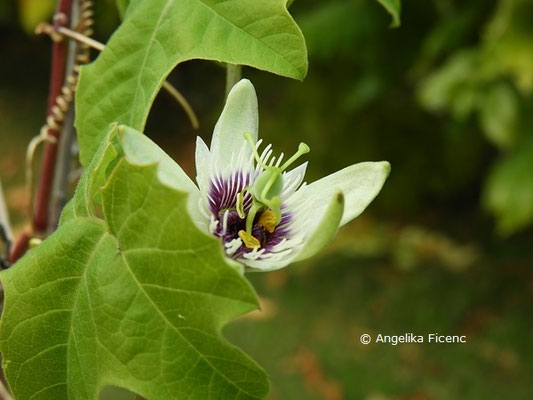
127,292
156,35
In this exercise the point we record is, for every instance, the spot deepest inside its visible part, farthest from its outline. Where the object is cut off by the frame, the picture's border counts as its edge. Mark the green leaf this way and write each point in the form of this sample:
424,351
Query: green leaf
156,35
333,27
499,115
127,292
509,36
509,192
393,7
456,85
122,5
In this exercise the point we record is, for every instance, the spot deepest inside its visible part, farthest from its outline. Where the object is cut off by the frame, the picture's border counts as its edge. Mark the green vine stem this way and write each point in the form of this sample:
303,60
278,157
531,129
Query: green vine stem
233,75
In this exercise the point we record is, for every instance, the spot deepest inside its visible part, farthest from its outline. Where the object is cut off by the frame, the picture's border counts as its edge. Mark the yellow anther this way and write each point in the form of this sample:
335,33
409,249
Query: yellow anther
240,205
267,221
249,241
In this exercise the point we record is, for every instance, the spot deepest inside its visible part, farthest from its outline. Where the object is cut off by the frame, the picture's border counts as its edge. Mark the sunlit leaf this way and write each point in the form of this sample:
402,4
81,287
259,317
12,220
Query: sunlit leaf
509,192
499,115
121,84
510,35
452,86
122,5
127,292
394,8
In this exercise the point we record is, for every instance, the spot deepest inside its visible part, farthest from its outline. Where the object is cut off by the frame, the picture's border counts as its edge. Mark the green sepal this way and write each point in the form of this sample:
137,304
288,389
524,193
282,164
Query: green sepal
326,229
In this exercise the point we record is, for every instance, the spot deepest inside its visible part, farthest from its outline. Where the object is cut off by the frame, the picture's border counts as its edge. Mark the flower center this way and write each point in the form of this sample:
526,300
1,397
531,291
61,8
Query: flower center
247,213
265,192
230,227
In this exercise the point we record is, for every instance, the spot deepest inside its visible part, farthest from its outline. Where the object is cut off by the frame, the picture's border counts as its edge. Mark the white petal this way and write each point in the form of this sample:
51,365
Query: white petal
293,179
202,160
325,230
238,117
320,208
140,150
360,184
266,265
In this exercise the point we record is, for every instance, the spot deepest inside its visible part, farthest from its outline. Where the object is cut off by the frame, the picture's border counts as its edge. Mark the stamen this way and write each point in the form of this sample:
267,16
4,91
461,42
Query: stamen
240,205
267,221
249,241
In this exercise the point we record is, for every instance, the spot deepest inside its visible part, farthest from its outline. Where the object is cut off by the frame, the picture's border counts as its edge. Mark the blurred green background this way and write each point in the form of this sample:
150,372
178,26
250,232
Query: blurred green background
447,245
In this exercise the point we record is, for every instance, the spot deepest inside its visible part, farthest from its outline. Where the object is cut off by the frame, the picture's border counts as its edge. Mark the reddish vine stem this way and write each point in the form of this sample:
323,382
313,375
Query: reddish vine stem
50,195
57,77
20,247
